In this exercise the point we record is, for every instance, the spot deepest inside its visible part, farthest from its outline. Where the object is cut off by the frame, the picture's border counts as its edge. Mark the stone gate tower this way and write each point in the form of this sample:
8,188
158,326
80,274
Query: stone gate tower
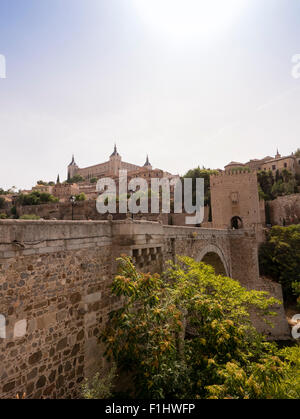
235,201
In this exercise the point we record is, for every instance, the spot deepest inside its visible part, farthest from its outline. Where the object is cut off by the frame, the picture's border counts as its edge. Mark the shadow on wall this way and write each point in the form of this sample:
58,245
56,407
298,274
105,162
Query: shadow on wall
215,261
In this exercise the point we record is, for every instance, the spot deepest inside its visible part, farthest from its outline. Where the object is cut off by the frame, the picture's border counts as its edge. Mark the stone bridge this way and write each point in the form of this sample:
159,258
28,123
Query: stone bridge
55,279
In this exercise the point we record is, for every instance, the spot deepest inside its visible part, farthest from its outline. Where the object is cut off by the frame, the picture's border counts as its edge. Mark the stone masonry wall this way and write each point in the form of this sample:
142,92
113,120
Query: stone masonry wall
54,286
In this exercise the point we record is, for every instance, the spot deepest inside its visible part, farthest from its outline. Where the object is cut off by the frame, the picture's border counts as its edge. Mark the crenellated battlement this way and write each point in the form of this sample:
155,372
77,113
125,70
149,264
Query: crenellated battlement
234,176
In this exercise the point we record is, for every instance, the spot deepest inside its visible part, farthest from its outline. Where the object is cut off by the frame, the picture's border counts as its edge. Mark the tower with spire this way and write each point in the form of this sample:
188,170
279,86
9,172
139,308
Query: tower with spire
72,168
148,165
115,162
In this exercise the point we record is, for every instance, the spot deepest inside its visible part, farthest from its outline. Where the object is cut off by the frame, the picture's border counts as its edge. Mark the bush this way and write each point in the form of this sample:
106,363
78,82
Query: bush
2,202
289,386
100,386
188,334
282,188
30,217
81,197
36,198
280,258
76,179
270,187
3,216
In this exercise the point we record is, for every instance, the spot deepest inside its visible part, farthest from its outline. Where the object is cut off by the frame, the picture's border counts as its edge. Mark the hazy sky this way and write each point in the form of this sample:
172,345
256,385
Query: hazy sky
192,84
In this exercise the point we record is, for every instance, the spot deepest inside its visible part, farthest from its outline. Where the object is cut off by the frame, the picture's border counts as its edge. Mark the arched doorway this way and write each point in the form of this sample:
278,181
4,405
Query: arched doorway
215,261
236,223
214,257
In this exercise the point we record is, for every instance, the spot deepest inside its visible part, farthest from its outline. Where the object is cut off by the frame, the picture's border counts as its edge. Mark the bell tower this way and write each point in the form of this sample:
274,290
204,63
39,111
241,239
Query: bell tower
72,168
115,162
148,165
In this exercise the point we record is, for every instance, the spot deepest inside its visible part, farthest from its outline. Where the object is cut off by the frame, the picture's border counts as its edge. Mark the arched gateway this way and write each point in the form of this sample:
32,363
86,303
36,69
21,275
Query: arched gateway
213,255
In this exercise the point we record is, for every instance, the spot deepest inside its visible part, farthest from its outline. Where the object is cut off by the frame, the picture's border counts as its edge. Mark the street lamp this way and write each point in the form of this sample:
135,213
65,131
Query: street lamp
73,200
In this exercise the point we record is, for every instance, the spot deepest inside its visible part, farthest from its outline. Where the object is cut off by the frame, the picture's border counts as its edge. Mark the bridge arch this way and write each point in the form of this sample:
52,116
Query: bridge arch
213,255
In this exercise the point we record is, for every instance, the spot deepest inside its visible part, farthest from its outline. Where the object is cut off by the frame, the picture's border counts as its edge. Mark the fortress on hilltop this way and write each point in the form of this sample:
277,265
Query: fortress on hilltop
112,167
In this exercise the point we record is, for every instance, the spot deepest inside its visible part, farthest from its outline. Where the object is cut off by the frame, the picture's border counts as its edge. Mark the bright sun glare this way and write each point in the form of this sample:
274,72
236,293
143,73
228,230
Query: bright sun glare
190,20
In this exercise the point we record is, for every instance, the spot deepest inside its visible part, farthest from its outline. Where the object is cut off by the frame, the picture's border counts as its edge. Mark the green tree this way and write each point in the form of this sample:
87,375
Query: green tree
100,386
3,192
280,257
81,197
188,334
2,202
282,188
205,174
36,198
76,179
297,152
289,386
266,182
287,176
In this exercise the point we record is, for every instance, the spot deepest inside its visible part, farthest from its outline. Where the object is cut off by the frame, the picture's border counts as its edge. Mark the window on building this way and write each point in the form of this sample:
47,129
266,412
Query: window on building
273,167
285,165
236,223
235,198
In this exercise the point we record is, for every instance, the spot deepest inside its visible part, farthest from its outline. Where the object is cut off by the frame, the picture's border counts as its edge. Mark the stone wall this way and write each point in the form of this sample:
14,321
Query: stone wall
82,211
285,210
55,279
63,211
54,283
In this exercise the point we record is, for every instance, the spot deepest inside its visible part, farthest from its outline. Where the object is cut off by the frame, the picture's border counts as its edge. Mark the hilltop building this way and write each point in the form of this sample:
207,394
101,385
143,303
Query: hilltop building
109,168
291,163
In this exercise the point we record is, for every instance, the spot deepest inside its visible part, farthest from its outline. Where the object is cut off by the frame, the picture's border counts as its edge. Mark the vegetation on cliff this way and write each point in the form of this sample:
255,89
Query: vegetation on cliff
270,186
280,259
35,198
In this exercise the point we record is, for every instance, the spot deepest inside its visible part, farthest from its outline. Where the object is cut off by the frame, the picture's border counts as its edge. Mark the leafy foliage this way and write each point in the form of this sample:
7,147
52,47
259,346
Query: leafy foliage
3,192
187,334
76,179
30,217
205,174
289,386
280,257
100,386
270,187
81,197
36,198
2,202
42,183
